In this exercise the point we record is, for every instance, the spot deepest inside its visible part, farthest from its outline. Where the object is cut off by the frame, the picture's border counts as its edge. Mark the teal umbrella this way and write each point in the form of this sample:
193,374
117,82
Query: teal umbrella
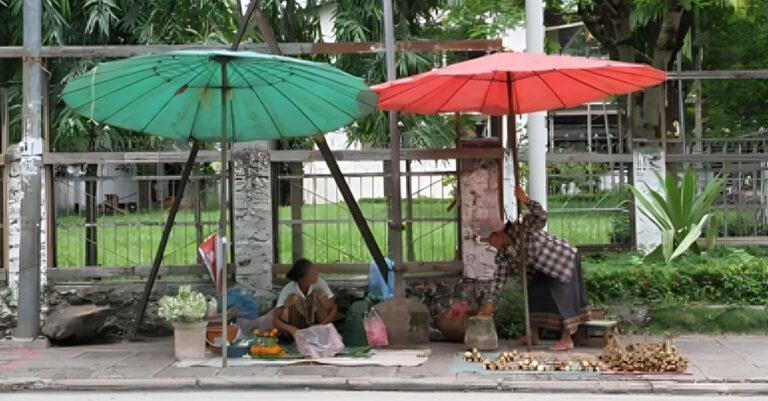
178,95
223,96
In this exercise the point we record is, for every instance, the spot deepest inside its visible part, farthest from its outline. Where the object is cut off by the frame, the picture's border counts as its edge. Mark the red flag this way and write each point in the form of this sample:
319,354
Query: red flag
207,251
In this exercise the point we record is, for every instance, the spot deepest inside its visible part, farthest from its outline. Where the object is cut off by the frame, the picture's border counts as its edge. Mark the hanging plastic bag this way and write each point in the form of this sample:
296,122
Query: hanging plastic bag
375,330
319,341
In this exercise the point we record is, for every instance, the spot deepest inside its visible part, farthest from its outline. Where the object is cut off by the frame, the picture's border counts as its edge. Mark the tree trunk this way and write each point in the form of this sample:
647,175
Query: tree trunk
609,22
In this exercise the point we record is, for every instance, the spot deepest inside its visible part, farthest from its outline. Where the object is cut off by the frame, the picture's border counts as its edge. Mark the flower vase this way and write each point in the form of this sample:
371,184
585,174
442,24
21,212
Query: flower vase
189,340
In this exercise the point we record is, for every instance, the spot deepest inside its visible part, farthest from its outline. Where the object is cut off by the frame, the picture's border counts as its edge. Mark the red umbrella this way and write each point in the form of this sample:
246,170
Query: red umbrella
514,83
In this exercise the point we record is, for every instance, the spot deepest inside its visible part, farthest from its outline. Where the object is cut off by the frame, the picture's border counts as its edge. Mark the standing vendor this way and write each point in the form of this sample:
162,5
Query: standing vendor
305,301
556,294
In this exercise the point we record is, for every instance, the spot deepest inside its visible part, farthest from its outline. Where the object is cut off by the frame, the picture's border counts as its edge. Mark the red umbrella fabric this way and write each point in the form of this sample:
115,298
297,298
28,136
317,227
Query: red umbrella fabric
537,82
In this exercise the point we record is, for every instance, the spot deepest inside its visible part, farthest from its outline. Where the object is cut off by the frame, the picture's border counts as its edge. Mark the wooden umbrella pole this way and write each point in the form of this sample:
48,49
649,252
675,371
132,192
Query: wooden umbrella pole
164,239
521,251
221,253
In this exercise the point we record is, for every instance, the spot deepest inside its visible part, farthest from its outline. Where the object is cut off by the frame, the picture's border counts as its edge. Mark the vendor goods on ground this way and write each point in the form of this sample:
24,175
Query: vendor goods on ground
646,358
514,361
265,345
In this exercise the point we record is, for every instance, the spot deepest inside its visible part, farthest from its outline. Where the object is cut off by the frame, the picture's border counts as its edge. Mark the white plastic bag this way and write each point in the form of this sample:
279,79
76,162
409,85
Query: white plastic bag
319,341
263,324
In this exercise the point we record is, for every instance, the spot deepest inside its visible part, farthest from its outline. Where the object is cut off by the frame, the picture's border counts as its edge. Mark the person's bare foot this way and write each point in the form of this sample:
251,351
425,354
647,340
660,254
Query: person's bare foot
562,345
524,341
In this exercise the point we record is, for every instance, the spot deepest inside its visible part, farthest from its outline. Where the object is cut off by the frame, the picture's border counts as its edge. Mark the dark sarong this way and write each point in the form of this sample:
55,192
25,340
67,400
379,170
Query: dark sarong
555,305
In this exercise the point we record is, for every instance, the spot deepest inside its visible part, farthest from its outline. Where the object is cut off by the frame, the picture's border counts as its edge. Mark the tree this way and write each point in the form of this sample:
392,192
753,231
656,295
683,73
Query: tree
735,38
646,31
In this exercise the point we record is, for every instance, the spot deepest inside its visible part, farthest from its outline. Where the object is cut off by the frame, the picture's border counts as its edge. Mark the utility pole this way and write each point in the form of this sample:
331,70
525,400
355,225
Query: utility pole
30,172
395,210
537,128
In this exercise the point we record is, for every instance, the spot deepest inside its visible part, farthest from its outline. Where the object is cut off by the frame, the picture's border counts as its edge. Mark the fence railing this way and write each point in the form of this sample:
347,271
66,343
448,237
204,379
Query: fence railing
324,231
129,207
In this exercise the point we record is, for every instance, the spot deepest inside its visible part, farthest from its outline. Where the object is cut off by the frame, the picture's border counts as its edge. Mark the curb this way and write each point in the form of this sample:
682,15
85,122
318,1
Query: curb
432,384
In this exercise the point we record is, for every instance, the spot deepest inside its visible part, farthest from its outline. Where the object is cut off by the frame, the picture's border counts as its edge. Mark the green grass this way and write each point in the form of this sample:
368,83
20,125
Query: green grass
127,240
132,239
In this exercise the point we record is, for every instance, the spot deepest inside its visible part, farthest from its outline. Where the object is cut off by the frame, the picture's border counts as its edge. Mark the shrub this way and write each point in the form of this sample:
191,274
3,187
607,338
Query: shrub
680,214
729,276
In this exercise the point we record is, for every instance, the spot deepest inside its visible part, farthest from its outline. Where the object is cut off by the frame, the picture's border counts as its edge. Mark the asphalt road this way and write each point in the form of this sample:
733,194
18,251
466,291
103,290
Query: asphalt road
337,396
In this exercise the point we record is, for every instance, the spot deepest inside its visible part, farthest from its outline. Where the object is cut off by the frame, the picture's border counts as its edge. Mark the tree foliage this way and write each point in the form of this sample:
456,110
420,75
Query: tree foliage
735,39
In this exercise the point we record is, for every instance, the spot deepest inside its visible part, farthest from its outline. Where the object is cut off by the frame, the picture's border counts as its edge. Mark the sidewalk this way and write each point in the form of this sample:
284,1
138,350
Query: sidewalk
718,365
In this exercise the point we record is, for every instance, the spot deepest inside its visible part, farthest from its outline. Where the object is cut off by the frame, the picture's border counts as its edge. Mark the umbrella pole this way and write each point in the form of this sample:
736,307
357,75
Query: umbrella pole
354,208
522,260
164,238
221,254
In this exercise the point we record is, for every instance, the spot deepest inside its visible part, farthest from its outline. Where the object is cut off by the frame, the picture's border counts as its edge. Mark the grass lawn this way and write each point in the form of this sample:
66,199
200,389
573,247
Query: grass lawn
133,239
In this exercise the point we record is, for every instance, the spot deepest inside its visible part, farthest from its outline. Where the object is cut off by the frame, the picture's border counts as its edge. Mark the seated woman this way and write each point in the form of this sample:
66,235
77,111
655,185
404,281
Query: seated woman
305,301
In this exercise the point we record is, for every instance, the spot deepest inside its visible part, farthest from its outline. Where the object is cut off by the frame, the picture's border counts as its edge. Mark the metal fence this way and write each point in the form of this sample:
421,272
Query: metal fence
314,222
587,206
109,216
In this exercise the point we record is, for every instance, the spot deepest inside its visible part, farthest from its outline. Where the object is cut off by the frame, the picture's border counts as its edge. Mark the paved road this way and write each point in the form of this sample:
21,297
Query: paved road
336,396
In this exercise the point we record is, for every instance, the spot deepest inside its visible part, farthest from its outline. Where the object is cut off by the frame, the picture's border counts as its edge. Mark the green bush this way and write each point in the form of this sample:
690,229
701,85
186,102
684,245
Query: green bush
728,276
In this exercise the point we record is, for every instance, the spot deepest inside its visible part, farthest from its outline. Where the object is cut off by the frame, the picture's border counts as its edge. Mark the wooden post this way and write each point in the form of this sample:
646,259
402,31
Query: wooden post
395,211
164,239
354,208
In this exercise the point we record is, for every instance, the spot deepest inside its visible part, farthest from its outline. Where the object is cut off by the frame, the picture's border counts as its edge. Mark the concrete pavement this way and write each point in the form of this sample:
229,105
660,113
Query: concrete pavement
333,396
718,365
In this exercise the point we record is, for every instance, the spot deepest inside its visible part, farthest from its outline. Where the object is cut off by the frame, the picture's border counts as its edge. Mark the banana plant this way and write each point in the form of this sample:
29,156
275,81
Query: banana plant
680,214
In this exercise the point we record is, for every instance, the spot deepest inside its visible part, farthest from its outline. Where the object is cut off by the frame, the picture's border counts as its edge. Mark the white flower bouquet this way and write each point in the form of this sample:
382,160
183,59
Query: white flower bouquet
187,306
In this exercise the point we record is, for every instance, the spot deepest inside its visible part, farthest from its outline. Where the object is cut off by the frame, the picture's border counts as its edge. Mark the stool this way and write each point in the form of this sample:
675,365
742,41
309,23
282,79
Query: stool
595,333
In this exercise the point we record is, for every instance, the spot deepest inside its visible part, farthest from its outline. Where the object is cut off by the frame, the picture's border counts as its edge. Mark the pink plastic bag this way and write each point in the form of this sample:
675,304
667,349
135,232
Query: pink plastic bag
375,330
319,341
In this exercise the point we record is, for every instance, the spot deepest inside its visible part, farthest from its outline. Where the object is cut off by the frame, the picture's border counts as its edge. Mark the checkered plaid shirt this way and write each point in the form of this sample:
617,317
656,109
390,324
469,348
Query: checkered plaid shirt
545,253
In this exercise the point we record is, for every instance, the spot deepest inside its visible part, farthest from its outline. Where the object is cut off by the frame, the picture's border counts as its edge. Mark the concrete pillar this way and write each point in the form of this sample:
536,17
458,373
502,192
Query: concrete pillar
537,126
647,160
253,219
30,173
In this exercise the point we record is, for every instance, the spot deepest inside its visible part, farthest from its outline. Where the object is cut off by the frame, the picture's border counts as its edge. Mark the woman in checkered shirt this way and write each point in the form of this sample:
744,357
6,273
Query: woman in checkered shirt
556,292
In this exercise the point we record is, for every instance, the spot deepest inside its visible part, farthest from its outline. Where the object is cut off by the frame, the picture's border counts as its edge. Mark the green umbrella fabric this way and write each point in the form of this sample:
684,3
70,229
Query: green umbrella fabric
177,95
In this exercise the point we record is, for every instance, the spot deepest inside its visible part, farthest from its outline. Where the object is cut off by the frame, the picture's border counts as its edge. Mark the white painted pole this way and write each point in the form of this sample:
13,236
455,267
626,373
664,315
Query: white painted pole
537,127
